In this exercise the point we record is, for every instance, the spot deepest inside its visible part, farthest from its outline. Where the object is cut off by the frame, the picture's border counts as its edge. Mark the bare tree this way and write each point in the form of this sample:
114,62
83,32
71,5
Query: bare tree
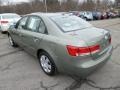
105,4
0,2
69,5
97,5
88,5
117,3
54,6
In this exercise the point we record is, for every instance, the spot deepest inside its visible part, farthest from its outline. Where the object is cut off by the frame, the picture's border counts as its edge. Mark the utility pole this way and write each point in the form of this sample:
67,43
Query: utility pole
45,6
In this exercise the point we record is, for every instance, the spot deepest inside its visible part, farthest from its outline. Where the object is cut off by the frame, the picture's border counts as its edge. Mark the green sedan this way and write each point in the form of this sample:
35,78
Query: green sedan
62,43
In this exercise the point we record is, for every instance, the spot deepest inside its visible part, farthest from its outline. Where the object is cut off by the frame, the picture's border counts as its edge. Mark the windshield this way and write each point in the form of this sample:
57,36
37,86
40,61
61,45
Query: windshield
70,23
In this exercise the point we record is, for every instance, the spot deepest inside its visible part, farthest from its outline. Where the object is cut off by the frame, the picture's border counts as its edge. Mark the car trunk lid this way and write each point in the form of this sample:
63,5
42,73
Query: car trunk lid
94,36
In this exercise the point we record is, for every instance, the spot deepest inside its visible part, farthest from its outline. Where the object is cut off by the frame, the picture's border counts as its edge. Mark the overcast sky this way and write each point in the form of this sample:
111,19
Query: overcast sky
17,1
13,1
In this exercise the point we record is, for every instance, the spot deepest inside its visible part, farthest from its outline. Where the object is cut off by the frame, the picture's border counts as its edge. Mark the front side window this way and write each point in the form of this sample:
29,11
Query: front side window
22,23
69,22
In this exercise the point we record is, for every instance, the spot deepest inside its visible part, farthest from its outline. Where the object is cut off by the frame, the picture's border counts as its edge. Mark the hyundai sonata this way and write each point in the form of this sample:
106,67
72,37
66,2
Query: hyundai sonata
62,42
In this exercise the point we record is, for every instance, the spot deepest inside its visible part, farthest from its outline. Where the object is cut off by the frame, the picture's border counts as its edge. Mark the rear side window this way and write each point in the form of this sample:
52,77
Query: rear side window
33,24
42,27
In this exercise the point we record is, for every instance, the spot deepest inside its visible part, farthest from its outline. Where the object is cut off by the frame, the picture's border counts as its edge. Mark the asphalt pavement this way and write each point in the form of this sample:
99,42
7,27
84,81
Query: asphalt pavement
21,71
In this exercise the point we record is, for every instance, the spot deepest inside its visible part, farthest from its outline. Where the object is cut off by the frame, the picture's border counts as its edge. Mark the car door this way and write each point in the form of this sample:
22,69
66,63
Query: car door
34,34
18,30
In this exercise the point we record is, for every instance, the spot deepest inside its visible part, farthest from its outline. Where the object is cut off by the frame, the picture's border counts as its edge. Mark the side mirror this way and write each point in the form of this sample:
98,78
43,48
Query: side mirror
16,25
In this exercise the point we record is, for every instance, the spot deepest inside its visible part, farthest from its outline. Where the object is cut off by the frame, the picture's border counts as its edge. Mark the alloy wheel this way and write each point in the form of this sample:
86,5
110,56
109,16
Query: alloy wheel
45,63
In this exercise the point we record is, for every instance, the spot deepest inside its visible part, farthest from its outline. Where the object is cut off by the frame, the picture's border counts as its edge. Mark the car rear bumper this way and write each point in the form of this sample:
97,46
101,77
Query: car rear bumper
84,72
4,28
86,68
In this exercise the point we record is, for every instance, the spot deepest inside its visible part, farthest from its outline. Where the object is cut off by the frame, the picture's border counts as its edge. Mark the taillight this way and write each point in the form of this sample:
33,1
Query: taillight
94,49
76,51
4,22
84,51
72,50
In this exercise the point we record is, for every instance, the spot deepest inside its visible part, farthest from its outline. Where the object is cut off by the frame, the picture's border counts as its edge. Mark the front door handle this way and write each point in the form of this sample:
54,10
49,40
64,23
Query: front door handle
37,39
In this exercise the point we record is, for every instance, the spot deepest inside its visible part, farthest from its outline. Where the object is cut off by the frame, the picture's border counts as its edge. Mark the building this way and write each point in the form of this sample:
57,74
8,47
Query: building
118,3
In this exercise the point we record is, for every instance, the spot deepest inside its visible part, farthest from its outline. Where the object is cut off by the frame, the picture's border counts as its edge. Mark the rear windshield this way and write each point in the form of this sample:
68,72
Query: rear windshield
70,22
10,16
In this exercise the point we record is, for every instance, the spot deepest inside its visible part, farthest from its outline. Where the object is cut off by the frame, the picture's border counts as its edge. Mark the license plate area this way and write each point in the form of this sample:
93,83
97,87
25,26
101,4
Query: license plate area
103,49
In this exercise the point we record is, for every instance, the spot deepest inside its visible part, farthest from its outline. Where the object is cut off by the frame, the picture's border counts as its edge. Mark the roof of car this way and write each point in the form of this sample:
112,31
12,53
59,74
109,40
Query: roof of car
49,14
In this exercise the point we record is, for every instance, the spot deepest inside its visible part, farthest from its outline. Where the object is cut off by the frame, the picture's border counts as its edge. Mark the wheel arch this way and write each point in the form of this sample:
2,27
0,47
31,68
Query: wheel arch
52,56
38,51
50,52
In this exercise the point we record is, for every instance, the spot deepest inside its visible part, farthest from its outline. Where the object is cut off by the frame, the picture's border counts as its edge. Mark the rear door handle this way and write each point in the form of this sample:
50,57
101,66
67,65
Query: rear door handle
36,40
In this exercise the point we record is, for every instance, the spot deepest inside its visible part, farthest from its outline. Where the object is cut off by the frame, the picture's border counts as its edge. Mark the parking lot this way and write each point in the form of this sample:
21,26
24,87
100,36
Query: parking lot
20,71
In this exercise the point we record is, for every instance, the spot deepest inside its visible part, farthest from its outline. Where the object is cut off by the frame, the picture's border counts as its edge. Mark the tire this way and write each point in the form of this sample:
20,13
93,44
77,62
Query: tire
4,32
85,19
12,43
47,64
